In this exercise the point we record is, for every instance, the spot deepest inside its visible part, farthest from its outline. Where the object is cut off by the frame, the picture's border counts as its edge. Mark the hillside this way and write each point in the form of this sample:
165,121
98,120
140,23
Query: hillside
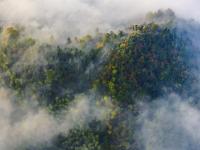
118,69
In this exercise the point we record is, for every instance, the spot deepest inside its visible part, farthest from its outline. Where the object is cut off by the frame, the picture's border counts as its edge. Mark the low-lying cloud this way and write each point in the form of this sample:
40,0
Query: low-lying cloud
171,123
76,17
24,125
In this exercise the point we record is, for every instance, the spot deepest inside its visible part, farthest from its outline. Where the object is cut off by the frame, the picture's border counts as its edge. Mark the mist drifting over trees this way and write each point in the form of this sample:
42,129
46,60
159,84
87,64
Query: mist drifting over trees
99,75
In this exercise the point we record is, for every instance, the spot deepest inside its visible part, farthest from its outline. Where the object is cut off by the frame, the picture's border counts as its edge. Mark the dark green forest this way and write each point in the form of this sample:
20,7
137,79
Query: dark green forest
134,65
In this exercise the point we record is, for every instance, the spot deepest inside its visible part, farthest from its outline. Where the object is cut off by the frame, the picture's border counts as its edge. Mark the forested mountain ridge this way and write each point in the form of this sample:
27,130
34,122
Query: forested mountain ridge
141,63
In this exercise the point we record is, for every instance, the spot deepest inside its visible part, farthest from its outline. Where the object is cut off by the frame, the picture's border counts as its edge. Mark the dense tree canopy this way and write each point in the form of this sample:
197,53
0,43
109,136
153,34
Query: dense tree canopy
146,60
